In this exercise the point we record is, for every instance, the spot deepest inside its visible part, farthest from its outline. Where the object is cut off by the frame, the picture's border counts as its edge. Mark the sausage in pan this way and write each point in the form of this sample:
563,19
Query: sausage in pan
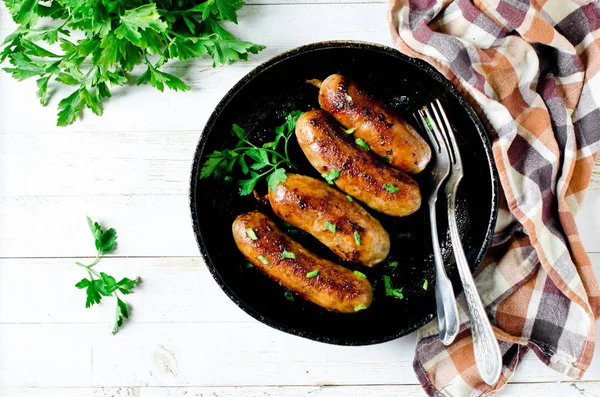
315,207
388,135
361,175
320,281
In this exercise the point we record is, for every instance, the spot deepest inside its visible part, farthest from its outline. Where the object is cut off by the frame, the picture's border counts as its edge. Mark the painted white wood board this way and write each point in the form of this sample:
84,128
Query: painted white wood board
130,169
566,389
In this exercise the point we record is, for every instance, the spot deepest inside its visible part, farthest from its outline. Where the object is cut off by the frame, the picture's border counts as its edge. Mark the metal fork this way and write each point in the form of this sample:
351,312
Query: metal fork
448,322
485,346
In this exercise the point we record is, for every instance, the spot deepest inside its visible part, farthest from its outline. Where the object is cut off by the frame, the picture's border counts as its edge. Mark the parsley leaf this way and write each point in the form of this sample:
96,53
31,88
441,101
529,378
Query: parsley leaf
104,240
331,176
362,143
276,178
116,35
250,232
312,274
122,314
390,188
101,284
289,295
288,255
330,226
389,290
357,238
266,161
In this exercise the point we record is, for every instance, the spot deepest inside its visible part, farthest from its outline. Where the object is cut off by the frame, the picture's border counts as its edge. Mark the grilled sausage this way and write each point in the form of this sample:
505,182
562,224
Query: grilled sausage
334,288
361,175
315,207
387,134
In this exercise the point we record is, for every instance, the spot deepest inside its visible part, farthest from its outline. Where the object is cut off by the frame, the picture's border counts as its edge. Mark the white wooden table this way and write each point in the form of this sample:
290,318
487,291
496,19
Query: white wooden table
130,169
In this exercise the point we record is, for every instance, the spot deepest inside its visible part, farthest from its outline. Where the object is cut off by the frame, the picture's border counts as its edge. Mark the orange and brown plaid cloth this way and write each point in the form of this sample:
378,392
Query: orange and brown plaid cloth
531,69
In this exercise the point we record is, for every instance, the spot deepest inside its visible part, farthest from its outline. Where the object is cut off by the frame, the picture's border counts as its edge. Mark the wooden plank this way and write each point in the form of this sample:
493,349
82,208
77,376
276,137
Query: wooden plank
588,220
111,163
173,290
148,225
56,226
143,108
566,389
183,331
206,354
93,163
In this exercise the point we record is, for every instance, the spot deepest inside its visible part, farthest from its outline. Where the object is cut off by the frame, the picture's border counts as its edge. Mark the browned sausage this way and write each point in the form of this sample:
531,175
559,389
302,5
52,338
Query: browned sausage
315,207
334,288
387,134
363,176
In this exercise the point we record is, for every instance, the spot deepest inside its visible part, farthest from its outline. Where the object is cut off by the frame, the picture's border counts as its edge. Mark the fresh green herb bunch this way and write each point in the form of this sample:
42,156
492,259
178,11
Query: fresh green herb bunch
269,160
118,34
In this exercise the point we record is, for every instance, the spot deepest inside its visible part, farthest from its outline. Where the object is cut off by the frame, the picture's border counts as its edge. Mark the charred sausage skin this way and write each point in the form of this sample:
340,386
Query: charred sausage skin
335,288
362,175
387,134
315,207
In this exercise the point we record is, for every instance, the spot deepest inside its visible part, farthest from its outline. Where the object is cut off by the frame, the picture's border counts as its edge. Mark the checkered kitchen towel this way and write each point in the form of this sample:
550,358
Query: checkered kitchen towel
531,69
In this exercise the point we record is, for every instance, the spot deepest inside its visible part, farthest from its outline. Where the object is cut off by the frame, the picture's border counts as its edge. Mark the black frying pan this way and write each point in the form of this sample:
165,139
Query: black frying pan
257,103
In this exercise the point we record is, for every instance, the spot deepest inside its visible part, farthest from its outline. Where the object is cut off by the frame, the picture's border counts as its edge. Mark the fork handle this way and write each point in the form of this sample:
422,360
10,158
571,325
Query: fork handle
485,345
448,321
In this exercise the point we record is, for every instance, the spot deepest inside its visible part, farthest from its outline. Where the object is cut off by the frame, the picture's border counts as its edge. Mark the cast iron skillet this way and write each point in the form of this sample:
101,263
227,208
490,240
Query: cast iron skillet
257,103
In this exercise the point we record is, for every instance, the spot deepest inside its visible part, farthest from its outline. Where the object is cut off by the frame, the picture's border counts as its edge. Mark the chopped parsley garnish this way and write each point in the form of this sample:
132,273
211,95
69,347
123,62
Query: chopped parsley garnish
312,274
389,290
330,226
349,198
289,295
404,235
290,228
425,285
428,122
393,264
350,131
357,238
263,259
359,274
390,188
331,176
288,255
251,234
359,308
387,159
249,265
362,143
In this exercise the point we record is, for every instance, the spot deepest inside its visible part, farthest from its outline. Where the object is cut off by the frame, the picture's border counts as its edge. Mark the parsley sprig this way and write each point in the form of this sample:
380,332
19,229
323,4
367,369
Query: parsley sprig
269,160
100,284
118,34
